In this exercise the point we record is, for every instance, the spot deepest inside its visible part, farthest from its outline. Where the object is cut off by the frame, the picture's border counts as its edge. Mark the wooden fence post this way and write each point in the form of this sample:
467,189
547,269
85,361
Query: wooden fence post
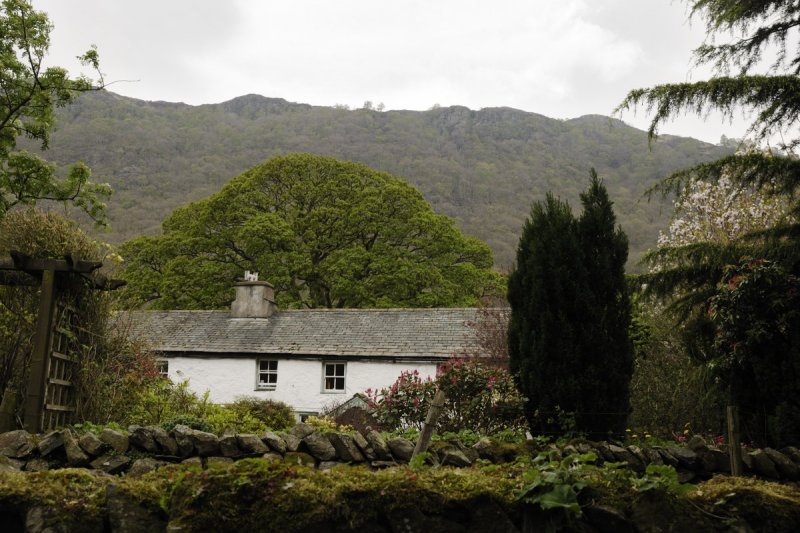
430,424
734,440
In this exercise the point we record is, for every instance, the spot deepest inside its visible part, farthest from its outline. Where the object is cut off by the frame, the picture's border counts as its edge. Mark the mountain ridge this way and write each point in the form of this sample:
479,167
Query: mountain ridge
482,167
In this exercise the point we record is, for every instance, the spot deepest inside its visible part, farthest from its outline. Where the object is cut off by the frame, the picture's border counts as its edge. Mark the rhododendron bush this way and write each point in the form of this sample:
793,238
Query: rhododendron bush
478,397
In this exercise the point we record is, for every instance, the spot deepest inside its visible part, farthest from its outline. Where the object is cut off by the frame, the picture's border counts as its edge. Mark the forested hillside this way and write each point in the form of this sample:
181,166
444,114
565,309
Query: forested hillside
481,167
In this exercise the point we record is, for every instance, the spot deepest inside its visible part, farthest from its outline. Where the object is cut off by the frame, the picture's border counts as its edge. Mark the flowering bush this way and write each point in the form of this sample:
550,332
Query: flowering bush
479,398
405,403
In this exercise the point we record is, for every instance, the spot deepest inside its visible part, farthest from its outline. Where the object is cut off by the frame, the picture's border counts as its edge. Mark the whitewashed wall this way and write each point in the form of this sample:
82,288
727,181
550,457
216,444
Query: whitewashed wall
299,381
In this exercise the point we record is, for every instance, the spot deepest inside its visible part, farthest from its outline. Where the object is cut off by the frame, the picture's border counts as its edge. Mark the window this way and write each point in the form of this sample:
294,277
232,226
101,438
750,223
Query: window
333,377
303,417
267,374
162,367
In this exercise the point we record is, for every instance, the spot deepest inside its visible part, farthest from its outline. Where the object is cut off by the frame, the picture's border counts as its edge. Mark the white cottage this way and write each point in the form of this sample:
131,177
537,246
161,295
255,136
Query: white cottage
309,359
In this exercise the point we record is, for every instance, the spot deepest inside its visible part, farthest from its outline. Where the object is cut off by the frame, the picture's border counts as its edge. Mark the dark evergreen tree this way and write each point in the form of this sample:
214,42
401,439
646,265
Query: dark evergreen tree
608,359
568,343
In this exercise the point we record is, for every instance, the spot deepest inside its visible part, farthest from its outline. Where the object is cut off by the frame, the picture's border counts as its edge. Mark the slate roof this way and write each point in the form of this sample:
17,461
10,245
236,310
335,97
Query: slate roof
393,333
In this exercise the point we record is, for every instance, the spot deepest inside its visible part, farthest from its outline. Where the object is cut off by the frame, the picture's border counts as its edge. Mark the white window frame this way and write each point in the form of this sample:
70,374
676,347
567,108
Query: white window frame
162,368
268,372
334,376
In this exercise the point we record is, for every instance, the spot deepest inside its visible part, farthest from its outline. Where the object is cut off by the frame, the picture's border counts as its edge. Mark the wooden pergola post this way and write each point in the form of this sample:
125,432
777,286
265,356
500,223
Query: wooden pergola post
34,399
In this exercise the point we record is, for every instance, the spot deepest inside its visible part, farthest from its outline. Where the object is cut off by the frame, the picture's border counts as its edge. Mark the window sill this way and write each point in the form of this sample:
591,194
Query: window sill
266,388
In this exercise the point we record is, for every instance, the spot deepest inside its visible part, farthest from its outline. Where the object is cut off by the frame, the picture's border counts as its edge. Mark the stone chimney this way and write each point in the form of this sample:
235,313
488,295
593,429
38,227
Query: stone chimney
254,299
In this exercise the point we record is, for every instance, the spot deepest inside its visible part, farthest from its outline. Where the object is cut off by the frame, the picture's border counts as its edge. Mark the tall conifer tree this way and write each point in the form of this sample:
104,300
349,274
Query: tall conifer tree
568,343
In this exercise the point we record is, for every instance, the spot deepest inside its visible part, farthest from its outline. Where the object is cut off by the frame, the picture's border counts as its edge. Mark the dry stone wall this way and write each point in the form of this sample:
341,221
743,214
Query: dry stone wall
143,449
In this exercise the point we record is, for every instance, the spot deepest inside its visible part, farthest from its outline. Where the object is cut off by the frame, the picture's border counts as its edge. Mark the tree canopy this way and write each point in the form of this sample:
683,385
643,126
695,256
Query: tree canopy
570,314
326,233
29,93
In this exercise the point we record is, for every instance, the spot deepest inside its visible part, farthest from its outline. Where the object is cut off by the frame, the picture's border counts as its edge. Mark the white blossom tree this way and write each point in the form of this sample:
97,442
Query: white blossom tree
722,212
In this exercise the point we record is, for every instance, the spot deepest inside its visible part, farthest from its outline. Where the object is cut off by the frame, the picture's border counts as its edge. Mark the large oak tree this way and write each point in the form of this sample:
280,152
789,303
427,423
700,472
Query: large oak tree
326,233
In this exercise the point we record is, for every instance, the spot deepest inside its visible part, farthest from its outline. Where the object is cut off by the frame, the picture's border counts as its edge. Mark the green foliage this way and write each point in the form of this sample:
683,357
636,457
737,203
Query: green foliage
327,233
154,401
191,421
570,316
90,427
668,387
161,400
756,347
30,95
270,413
554,484
478,399
694,276
328,425
561,486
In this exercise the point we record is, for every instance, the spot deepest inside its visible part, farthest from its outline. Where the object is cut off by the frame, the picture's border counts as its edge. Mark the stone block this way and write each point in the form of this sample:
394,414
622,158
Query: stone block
785,466
91,444
251,444
229,446
142,438
75,454
276,442
50,443
206,444
119,442
166,443
319,446
16,444
452,456
183,438
346,449
111,464
762,465
402,449
144,465
379,446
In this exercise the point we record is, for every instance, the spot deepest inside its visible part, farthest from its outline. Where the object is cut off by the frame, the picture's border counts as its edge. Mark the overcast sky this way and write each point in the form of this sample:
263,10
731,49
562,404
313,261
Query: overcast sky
560,58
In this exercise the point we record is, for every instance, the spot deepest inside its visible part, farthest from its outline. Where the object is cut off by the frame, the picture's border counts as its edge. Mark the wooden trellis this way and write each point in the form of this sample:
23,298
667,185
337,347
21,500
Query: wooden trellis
62,366
50,397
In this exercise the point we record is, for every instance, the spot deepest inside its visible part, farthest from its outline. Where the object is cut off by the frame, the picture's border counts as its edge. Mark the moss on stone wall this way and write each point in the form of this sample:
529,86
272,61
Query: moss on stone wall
263,495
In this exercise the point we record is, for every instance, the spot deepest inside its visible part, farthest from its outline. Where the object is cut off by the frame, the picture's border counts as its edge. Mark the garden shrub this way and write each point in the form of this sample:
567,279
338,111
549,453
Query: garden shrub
191,421
272,414
161,400
479,398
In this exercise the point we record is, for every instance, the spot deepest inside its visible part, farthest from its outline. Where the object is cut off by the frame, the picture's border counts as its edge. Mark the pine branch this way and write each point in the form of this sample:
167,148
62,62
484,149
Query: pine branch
774,175
775,99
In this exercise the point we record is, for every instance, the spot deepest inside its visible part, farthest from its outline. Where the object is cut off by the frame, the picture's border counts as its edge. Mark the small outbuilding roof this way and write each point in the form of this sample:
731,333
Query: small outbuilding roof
372,333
